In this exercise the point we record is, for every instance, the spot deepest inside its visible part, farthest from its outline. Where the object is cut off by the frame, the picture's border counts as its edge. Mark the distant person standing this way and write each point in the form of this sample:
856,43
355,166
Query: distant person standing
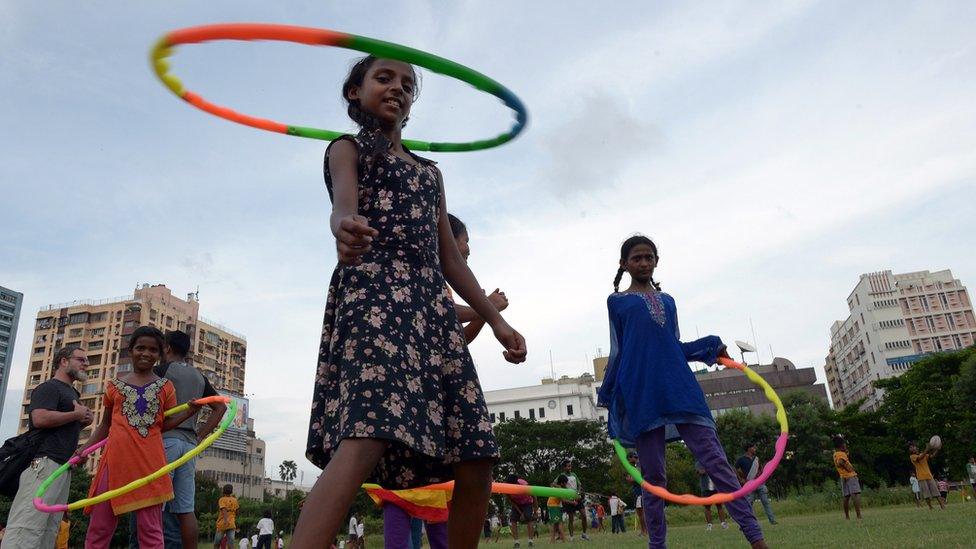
523,510
930,489
617,506
747,468
850,486
55,411
707,488
916,490
226,519
574,507
971,469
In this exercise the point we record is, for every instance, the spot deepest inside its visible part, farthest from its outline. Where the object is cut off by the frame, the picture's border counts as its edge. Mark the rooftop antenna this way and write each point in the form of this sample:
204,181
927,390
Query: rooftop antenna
755,342
744,348
552,366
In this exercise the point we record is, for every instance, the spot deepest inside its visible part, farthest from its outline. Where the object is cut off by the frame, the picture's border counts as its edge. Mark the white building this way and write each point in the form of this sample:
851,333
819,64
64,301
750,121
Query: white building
895,319
552,400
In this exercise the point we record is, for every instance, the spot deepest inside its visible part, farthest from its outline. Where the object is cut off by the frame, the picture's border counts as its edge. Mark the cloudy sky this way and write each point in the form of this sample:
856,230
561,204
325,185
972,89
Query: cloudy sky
774,151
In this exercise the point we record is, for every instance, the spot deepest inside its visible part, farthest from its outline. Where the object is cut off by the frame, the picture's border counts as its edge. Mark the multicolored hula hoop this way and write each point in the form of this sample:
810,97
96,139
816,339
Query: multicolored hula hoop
323,37
750,486
501,488
138,483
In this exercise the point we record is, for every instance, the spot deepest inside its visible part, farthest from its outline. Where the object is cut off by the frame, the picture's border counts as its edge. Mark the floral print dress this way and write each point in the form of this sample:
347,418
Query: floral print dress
393,362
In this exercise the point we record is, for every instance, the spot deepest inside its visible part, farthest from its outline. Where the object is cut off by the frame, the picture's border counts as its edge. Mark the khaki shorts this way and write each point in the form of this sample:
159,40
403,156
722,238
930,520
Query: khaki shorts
929,488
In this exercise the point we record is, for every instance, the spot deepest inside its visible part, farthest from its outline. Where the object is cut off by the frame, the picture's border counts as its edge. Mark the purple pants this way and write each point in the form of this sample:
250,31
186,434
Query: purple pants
704,445
396,530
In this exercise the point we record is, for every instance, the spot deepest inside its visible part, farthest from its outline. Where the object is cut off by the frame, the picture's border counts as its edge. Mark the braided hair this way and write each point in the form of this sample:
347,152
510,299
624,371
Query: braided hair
625,252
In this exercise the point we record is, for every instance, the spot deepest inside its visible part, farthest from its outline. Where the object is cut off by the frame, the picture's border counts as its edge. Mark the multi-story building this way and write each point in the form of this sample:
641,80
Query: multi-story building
10,304
726,390
102,328
895,319
238,457
551,400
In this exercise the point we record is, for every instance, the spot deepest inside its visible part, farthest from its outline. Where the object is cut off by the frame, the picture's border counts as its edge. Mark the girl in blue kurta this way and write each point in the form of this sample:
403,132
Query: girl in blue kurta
651,393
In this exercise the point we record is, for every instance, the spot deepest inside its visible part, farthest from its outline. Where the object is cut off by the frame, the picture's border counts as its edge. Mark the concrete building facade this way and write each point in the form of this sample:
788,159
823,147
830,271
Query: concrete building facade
102,328
552,400
895,319
10,305
575,397
727,390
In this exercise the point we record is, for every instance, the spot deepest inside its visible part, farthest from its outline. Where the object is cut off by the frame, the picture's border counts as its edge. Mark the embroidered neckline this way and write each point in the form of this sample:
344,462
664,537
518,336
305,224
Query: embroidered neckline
654,304
132,394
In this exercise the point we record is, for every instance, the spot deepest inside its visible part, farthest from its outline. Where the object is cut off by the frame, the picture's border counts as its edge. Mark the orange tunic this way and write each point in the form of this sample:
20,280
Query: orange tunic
135,443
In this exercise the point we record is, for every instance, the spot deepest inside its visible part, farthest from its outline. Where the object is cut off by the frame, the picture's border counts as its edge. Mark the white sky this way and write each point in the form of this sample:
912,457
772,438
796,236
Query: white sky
775,151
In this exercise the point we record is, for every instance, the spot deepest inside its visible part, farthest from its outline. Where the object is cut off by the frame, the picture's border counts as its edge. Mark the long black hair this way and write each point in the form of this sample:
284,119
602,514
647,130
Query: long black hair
625,252
457,226
355,80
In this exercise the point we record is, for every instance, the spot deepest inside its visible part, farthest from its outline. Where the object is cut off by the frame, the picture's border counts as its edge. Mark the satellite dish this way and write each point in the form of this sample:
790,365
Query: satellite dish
745,347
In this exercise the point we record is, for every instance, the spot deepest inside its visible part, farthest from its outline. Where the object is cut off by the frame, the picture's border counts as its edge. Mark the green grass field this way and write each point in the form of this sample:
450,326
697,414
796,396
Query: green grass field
894,526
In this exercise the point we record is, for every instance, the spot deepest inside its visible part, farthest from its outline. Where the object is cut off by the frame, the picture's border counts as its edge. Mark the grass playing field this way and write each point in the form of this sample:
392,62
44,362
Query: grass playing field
895,526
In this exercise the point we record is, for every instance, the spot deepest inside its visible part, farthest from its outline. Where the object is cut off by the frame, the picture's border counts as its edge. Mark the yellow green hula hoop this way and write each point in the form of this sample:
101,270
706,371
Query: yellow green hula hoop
138,483
749,487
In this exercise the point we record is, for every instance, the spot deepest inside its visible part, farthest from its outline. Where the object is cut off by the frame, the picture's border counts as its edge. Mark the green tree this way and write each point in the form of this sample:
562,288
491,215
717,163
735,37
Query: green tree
930,399
536,450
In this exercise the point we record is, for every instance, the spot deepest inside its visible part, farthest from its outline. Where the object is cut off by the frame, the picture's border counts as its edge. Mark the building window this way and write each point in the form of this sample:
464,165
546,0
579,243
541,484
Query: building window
518,414
542,412
501,416
38,350
492,417
531,413
94,360
569,409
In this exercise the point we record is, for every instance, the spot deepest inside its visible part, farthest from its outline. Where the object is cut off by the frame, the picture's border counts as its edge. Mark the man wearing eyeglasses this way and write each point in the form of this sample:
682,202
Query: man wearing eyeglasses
55,411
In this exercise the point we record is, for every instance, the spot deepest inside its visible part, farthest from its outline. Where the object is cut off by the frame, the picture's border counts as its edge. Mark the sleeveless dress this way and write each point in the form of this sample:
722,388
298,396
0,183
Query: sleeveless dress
393,361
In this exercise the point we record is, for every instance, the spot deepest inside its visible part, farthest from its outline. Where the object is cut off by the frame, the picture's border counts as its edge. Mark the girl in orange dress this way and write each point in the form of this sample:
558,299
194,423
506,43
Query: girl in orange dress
133,421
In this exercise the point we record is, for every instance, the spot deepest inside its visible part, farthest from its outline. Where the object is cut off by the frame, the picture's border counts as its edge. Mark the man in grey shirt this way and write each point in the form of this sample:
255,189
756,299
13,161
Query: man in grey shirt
179,520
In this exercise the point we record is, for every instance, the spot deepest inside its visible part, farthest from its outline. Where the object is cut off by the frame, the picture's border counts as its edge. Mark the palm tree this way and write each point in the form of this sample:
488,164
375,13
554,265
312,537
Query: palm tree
288,470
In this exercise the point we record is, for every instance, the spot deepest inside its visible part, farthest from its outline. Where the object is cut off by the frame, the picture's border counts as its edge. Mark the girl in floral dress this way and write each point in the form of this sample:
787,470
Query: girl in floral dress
133,421
396,400
651,394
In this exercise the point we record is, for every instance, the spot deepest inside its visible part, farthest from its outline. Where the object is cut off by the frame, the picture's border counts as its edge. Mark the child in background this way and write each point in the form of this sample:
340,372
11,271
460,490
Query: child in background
916,490
265,530
555,507
226,518
281,540
361,531
850,486
930,489
944,489
379,410
707,488
496,528
467,316
133,422
64,532
245,543
651,393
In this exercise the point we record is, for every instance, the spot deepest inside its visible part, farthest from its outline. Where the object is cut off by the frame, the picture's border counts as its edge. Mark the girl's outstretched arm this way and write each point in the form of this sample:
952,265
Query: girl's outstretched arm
99,433
460,277
352,232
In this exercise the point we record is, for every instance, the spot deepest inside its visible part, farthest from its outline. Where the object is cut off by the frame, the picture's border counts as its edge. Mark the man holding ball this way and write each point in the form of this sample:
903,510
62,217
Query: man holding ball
921,462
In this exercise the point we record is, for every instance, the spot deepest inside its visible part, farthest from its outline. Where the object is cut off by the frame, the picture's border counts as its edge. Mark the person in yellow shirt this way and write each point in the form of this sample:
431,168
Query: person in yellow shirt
226,519
930,489
850,486
555,508
64,532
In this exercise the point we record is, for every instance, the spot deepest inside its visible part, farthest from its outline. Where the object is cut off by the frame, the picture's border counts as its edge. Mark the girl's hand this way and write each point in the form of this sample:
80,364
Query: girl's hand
724,353
498,299
513,342
354,238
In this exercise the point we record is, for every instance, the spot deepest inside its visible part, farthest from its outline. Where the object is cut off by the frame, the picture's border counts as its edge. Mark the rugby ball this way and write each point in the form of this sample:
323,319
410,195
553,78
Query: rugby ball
935,442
